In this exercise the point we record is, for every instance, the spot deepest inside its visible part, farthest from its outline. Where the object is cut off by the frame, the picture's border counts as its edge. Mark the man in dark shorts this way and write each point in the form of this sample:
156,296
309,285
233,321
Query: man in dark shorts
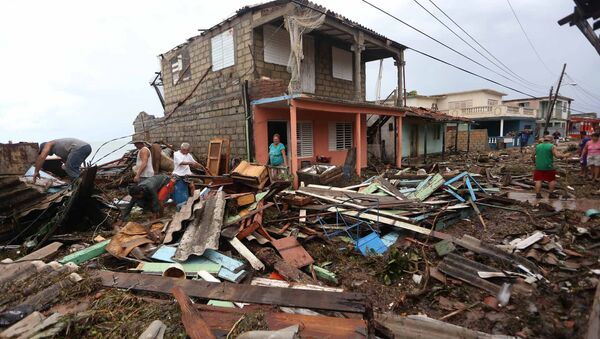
543,158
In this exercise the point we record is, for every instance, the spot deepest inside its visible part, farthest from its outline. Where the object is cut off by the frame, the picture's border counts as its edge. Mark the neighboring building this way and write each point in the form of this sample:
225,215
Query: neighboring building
486,109
560,113
233,80
585,122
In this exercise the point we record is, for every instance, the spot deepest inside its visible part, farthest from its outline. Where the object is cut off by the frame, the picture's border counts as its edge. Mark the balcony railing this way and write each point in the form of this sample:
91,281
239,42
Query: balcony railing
493,111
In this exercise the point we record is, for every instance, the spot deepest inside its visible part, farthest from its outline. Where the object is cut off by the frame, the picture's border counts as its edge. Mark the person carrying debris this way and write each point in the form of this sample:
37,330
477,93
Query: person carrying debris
543,158
182,160
150,193
143,164
592,152
583,161
73,153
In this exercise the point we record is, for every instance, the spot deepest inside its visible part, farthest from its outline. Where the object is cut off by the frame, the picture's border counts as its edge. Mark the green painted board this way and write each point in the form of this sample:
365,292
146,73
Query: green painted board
220,303
424,191
325,274
86,254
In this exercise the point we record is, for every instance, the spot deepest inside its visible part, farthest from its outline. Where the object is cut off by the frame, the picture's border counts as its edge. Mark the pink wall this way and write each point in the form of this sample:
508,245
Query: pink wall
320,121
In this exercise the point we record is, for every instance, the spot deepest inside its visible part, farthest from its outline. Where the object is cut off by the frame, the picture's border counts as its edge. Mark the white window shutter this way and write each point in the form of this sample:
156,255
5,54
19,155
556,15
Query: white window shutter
222,50
341,67
276,45
340,136
304,135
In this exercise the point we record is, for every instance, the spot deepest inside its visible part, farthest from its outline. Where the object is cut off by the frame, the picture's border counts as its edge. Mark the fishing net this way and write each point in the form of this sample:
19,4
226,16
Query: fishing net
297,25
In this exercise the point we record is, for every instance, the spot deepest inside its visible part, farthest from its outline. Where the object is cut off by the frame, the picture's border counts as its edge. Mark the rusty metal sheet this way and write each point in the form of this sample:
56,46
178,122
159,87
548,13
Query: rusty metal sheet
292,252
15,159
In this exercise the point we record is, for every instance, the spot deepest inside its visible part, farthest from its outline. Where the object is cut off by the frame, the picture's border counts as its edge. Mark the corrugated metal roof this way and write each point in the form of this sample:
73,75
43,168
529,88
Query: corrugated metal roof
422,112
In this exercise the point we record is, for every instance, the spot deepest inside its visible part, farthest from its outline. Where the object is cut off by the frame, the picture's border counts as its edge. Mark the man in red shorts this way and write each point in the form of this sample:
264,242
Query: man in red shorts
543,158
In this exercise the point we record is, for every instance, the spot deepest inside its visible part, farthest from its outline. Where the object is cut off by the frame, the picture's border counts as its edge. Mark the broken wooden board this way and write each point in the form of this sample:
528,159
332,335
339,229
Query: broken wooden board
284,284
165,253
156,330
427,187
204,231
43,253
194,324
85,254
245,252
221,320
391,222
593,330
245,199
339,301
292,252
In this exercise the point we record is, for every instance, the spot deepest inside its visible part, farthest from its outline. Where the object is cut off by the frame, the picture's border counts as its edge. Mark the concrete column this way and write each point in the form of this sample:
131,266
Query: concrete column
501,127
357,142
399,61
358,47
398,142
293,143
468,137
443,140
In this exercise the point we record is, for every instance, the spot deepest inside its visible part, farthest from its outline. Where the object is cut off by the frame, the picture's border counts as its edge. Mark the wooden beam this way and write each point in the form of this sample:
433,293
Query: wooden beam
332,301
86,253
42,253
276,14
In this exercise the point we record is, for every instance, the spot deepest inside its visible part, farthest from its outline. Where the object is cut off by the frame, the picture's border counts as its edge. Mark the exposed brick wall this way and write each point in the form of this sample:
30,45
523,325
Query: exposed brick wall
479,140
266,88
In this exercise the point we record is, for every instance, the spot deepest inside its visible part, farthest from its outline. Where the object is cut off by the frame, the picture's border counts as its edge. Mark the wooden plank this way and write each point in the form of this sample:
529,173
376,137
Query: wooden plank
391,222
245,199
194,324
223,319
593,331
42,253
425,190
245,252
292,252
339,301
86,254
156,330
229,263
206,276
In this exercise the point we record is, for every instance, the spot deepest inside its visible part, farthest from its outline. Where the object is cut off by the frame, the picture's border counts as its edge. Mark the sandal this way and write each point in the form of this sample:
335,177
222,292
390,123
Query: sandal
553,195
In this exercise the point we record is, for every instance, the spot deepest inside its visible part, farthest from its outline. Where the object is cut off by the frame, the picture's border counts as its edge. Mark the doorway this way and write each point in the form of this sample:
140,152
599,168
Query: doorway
414,140
281,128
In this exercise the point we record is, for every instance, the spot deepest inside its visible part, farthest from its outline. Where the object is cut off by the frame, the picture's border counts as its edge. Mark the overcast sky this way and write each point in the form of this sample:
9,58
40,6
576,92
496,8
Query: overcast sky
82,69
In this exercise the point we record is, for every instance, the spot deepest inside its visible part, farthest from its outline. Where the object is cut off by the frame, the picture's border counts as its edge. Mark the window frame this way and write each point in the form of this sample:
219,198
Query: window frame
300,125
347,135
337,72
215,39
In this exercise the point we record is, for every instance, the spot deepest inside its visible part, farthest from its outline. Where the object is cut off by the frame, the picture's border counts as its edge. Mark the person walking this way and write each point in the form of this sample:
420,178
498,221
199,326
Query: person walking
523,139
543,158
592,152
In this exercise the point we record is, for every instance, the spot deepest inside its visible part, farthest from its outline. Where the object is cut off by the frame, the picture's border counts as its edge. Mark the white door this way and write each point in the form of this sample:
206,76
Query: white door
307,70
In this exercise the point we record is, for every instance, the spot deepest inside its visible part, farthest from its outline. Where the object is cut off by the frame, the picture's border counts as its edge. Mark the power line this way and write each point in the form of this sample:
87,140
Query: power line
527,37
482,47
582,89
436,40
468,44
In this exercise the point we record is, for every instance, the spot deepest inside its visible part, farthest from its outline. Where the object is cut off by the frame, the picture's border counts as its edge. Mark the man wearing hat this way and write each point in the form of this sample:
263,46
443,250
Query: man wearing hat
143,165
73,153
543,158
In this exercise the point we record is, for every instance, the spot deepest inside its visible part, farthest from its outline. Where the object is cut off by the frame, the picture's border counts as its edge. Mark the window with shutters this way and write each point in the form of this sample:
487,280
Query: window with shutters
304,135
492,102
180,67
340,136
341,64
277,45
222,50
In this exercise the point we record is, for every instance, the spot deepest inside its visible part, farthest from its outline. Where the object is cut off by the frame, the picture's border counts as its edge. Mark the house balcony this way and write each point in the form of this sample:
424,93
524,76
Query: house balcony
496,111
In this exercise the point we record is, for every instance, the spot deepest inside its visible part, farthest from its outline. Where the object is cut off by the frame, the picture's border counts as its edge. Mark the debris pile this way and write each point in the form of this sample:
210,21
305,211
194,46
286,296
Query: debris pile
441,248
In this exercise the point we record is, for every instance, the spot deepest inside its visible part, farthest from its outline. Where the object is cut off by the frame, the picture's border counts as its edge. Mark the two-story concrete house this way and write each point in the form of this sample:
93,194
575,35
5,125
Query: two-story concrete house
558,118
487,109
287,67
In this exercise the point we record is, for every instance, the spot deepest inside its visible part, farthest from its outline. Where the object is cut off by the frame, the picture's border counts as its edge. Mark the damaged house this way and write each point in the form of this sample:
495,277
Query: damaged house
286,67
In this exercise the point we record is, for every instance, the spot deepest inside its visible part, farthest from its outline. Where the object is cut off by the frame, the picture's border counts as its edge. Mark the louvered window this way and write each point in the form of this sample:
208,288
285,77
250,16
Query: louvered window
304,136
340,136
222,50
341,61
277,45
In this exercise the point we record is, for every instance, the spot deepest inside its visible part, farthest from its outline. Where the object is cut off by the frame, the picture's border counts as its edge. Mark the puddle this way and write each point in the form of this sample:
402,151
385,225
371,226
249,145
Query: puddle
581,205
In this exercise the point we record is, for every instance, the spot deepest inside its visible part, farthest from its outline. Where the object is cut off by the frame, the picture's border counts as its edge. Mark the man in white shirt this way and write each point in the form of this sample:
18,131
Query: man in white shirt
182,160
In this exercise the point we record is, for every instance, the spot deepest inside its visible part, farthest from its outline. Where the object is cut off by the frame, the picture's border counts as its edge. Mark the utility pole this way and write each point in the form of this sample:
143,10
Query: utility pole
551,107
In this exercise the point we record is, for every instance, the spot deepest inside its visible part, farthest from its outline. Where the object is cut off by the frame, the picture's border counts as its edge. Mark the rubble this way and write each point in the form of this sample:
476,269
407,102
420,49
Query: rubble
440,251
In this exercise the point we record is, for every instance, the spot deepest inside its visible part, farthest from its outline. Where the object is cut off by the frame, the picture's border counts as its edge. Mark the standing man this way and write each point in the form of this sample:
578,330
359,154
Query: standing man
182,160
523,139
583,161
73,153
556,136
143,164
543,158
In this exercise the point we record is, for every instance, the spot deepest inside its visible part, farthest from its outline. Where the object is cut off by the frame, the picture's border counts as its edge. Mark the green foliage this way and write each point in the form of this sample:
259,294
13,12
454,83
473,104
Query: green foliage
394,263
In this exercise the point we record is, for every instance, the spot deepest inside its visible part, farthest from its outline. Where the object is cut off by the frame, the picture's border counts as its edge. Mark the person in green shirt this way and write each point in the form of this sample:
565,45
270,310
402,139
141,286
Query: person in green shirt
543,158
277,152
